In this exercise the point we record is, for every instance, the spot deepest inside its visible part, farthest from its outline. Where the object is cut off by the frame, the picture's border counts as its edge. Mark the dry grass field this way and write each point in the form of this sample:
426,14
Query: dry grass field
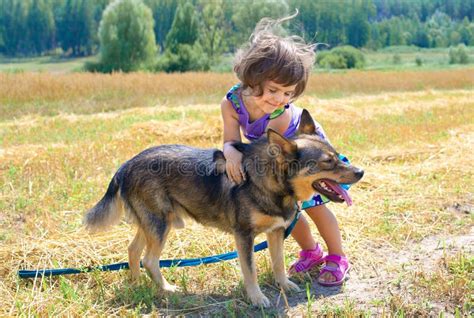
84,93
409,234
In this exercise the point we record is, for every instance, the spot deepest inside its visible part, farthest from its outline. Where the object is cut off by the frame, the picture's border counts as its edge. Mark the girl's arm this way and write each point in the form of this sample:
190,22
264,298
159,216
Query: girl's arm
232,134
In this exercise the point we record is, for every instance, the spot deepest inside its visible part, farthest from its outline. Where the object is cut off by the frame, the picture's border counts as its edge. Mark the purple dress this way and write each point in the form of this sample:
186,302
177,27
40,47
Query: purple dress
254,130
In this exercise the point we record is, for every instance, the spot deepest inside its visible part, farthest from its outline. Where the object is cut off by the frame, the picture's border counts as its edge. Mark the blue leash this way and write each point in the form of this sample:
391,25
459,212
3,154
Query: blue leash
163,263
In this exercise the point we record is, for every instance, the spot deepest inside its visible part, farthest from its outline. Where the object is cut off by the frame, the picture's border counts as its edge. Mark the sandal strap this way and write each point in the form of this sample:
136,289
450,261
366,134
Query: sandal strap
340,270
307,259
317,252
336,272
340,260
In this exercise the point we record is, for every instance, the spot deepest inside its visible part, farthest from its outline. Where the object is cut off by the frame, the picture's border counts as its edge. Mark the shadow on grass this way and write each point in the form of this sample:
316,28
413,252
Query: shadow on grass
146,298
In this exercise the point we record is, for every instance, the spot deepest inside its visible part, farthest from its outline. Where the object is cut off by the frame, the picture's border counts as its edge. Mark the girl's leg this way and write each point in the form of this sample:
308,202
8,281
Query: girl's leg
328,228
302,234
311,253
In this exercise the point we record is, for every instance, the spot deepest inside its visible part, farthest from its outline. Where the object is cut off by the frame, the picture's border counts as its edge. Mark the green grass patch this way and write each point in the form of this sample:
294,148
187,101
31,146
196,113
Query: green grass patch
383,59
52,64
405,58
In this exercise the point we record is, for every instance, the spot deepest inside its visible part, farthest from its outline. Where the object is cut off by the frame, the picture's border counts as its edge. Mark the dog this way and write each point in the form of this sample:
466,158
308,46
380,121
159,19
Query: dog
162,185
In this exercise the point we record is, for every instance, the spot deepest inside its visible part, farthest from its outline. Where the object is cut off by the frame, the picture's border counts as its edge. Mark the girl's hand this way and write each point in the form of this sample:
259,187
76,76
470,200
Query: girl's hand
233,164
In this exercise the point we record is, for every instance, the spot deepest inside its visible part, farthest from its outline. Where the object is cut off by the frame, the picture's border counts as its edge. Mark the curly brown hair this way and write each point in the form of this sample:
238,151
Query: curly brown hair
286,60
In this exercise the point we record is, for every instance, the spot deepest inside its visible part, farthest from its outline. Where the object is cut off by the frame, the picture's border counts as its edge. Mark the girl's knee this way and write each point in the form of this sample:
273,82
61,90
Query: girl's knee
318,209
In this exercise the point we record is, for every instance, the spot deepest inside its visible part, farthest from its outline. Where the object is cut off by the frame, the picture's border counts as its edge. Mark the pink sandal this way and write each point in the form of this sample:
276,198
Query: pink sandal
339,271
307,260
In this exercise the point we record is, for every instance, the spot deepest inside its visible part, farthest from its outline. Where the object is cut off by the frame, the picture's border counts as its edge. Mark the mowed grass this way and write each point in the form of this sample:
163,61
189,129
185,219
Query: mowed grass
414,142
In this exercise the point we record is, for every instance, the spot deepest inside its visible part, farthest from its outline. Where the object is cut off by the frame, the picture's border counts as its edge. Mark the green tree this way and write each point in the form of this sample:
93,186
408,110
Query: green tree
98,7
357,28
211,35
375,38
331,23
77,27
126,36
40,22
184,29
466,32
183,51
65,23
421,38
438,26
2,27
86,35
15,13
249,12
163,13
306,23
395,32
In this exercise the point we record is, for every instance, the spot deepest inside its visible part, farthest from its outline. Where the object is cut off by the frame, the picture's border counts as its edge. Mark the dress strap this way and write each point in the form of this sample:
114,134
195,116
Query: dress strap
233,97
278,112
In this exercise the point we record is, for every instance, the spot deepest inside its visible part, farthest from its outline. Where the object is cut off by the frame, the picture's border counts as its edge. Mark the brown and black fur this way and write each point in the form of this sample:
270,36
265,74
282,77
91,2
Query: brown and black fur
162,185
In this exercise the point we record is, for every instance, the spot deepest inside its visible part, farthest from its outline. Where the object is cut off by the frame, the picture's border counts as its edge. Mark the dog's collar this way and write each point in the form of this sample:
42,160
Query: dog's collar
298,206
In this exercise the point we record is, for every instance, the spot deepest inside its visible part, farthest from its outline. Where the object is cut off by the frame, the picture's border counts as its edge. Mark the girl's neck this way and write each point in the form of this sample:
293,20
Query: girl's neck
249,101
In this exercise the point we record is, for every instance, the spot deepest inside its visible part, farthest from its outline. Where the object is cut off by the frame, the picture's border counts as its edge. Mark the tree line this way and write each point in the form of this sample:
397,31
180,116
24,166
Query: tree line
199,31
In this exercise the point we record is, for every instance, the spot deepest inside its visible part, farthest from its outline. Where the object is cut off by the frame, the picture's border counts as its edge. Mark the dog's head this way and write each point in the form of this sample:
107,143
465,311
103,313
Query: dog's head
312,164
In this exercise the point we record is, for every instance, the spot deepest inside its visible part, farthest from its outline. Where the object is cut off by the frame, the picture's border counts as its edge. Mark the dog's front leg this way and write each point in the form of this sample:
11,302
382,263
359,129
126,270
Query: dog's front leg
275,245
244,243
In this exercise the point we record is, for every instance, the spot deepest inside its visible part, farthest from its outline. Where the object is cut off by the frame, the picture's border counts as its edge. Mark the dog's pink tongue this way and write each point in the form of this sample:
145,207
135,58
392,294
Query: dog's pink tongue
339,190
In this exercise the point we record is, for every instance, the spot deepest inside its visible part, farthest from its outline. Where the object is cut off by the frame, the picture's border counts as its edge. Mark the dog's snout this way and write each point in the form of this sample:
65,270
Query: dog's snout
359,173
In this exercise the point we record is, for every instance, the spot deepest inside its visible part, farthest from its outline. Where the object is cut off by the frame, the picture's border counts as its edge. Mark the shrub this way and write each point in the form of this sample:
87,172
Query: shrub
333,61
185,58
458,55
99,67
342,57
397,59
418,61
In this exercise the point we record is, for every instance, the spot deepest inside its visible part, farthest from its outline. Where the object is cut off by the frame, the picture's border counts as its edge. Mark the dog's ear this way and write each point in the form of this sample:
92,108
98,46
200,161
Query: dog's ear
306,124
284,145
219,159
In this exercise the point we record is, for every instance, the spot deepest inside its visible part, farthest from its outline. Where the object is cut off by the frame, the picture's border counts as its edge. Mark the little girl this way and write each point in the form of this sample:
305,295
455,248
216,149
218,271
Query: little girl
273,72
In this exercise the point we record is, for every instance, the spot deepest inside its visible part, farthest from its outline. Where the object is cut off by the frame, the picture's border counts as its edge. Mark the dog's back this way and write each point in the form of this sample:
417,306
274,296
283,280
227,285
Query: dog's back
162,184
161,180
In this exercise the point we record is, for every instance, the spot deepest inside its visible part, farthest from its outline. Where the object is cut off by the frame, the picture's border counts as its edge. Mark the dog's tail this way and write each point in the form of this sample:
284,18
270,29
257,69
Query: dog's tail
108,210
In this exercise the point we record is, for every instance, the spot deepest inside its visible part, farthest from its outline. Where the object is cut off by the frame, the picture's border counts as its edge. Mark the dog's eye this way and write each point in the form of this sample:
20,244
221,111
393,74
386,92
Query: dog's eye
327,163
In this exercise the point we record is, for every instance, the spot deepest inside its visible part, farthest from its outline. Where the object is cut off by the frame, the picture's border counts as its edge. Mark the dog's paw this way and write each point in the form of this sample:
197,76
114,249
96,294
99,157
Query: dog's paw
170,288
134,281
288,285
258,299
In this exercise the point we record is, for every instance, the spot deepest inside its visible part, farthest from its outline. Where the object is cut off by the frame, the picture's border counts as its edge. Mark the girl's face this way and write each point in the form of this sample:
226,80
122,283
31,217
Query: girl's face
274,96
